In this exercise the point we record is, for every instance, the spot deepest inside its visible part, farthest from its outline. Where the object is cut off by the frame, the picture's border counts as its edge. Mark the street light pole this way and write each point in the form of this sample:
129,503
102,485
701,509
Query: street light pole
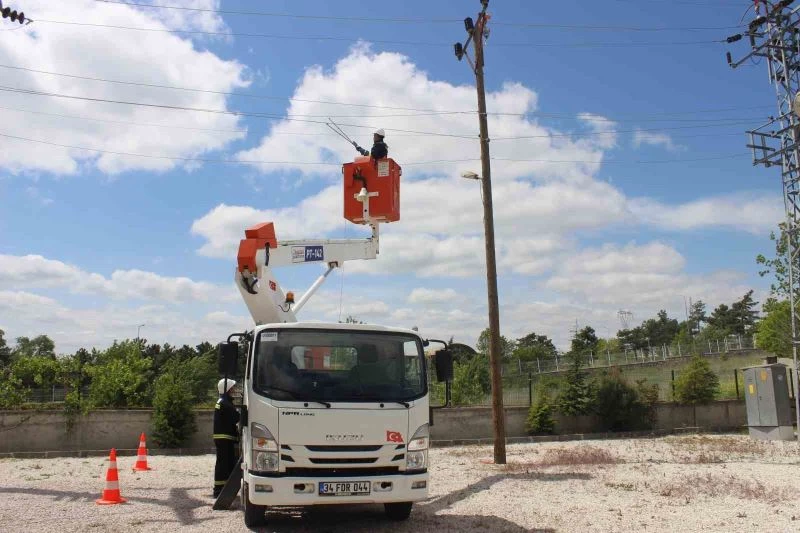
138,329
477,34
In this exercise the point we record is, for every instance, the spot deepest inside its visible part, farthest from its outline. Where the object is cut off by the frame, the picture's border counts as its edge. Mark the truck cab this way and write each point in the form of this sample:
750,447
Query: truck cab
334,414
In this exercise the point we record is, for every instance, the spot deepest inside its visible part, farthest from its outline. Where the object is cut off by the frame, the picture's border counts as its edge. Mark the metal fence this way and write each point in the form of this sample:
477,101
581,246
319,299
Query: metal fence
521,389
734,343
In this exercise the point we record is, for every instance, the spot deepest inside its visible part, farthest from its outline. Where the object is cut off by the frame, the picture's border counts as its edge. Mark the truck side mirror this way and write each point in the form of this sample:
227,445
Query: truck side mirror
227,358
443,362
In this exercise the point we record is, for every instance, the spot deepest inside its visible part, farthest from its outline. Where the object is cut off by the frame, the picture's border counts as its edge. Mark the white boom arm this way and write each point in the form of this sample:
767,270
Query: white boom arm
263,295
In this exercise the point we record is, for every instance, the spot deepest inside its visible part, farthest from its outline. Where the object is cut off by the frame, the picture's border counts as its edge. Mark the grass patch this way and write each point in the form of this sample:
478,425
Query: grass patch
579,456
716,486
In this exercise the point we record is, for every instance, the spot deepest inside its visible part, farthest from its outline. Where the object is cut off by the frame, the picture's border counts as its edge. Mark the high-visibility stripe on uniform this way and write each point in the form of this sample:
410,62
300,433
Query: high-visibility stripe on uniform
225,437
219,483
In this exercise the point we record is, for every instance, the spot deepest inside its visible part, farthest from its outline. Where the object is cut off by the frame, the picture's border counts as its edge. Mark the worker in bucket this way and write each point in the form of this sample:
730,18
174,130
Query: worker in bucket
379,148
226,435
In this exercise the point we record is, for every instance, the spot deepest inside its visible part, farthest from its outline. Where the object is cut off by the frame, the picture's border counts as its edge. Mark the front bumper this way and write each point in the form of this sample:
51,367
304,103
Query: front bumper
270,491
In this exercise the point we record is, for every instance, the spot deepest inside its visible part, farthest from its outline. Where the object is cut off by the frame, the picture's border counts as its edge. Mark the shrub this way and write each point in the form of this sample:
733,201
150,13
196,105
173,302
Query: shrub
697,383
173,418
577,394
466,389
622,407
540,416
120,377
12,391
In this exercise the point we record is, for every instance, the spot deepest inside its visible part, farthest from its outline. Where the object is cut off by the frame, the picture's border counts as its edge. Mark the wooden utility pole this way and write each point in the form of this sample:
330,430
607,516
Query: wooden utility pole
495,356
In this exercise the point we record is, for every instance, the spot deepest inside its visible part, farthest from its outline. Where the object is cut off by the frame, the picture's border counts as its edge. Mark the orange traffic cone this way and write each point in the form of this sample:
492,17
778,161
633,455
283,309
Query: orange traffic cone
141,456
111,492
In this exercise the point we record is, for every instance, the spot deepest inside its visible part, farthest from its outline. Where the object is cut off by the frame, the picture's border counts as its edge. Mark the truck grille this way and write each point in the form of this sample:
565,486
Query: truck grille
341,472
342,461
344,448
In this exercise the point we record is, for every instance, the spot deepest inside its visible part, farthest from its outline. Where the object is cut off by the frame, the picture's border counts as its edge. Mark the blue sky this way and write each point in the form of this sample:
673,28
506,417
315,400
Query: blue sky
92,244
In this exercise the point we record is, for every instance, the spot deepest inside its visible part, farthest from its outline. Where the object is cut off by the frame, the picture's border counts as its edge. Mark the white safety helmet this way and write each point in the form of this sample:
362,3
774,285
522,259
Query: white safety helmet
380,132
221,385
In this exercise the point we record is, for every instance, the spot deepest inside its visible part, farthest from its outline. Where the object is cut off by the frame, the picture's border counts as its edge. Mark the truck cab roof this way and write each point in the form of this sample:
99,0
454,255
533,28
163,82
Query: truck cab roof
335,326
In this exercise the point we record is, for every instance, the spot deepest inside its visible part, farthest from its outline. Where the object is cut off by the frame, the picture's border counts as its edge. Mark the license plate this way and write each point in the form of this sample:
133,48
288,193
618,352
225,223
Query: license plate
343,488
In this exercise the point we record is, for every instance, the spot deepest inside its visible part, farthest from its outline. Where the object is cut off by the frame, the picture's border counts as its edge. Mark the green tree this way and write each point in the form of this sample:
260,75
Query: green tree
471,381
745,314
120,377
778,266
696,383
506,346
585,341
697,317
12,391
620,406
40,346
35,371
660,330
540,416
774,331
533,346
722,322
5,350
577,395
173,417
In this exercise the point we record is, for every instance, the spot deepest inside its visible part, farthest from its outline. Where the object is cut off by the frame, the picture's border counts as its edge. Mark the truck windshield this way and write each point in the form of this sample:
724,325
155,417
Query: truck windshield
334,365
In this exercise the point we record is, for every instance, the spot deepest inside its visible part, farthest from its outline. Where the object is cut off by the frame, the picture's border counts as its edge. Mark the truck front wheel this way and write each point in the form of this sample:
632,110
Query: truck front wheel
398,511
254,515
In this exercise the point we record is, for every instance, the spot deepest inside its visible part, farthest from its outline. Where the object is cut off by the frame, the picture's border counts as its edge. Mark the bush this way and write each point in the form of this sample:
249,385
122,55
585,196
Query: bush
577,394
12,391
622,407
466,390
173,417
697,383
540,417
120,377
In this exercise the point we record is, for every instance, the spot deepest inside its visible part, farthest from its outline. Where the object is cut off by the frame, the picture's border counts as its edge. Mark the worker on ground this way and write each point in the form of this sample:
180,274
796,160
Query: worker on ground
379,148
226,435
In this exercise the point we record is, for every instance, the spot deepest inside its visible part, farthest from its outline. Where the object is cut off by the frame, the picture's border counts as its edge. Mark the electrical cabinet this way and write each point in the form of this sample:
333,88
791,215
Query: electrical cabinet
769,409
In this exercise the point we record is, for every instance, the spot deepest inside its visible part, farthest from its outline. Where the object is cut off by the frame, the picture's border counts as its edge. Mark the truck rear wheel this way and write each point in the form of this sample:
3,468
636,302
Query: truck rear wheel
398,511
254,515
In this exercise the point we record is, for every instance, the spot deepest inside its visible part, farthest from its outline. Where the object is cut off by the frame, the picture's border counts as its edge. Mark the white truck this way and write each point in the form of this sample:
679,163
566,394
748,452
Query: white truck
331,413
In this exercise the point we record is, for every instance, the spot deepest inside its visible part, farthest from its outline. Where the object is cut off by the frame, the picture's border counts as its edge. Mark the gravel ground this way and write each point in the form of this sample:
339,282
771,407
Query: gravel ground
688,483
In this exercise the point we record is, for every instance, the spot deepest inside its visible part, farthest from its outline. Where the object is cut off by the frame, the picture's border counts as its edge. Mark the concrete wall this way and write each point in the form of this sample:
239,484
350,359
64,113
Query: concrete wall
39,431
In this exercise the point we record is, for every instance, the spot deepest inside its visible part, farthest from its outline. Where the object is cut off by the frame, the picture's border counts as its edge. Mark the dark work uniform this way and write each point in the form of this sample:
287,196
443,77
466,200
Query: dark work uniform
226,440
379,150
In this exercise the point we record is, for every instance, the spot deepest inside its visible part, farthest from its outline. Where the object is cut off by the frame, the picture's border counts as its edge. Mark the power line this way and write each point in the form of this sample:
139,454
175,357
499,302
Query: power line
271,116
620,118
384,41
416,20
309,134
337,164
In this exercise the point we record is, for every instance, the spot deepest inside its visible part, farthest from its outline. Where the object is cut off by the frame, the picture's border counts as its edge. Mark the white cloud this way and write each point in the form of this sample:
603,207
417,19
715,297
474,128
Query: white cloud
425,296
27,314
37,272
639,275
395,81
161,58
752,212
641,137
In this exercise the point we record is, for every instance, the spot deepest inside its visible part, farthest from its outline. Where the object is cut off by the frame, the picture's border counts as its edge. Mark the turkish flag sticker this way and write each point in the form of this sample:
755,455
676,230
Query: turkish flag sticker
394,436
272,285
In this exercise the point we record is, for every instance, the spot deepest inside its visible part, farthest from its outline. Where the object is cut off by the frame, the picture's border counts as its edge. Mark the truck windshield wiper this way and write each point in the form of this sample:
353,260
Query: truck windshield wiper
326,404
382,400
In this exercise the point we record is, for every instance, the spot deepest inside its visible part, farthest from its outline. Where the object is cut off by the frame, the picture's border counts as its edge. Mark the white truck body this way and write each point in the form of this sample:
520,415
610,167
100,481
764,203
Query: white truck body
347,452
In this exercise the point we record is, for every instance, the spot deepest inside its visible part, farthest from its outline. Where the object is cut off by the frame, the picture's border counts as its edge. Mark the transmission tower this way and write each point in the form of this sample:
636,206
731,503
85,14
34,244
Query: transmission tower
625,318
773,35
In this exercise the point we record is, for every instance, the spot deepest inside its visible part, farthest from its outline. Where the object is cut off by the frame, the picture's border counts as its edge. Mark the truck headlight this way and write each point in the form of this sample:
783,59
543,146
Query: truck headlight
417,450
264,449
